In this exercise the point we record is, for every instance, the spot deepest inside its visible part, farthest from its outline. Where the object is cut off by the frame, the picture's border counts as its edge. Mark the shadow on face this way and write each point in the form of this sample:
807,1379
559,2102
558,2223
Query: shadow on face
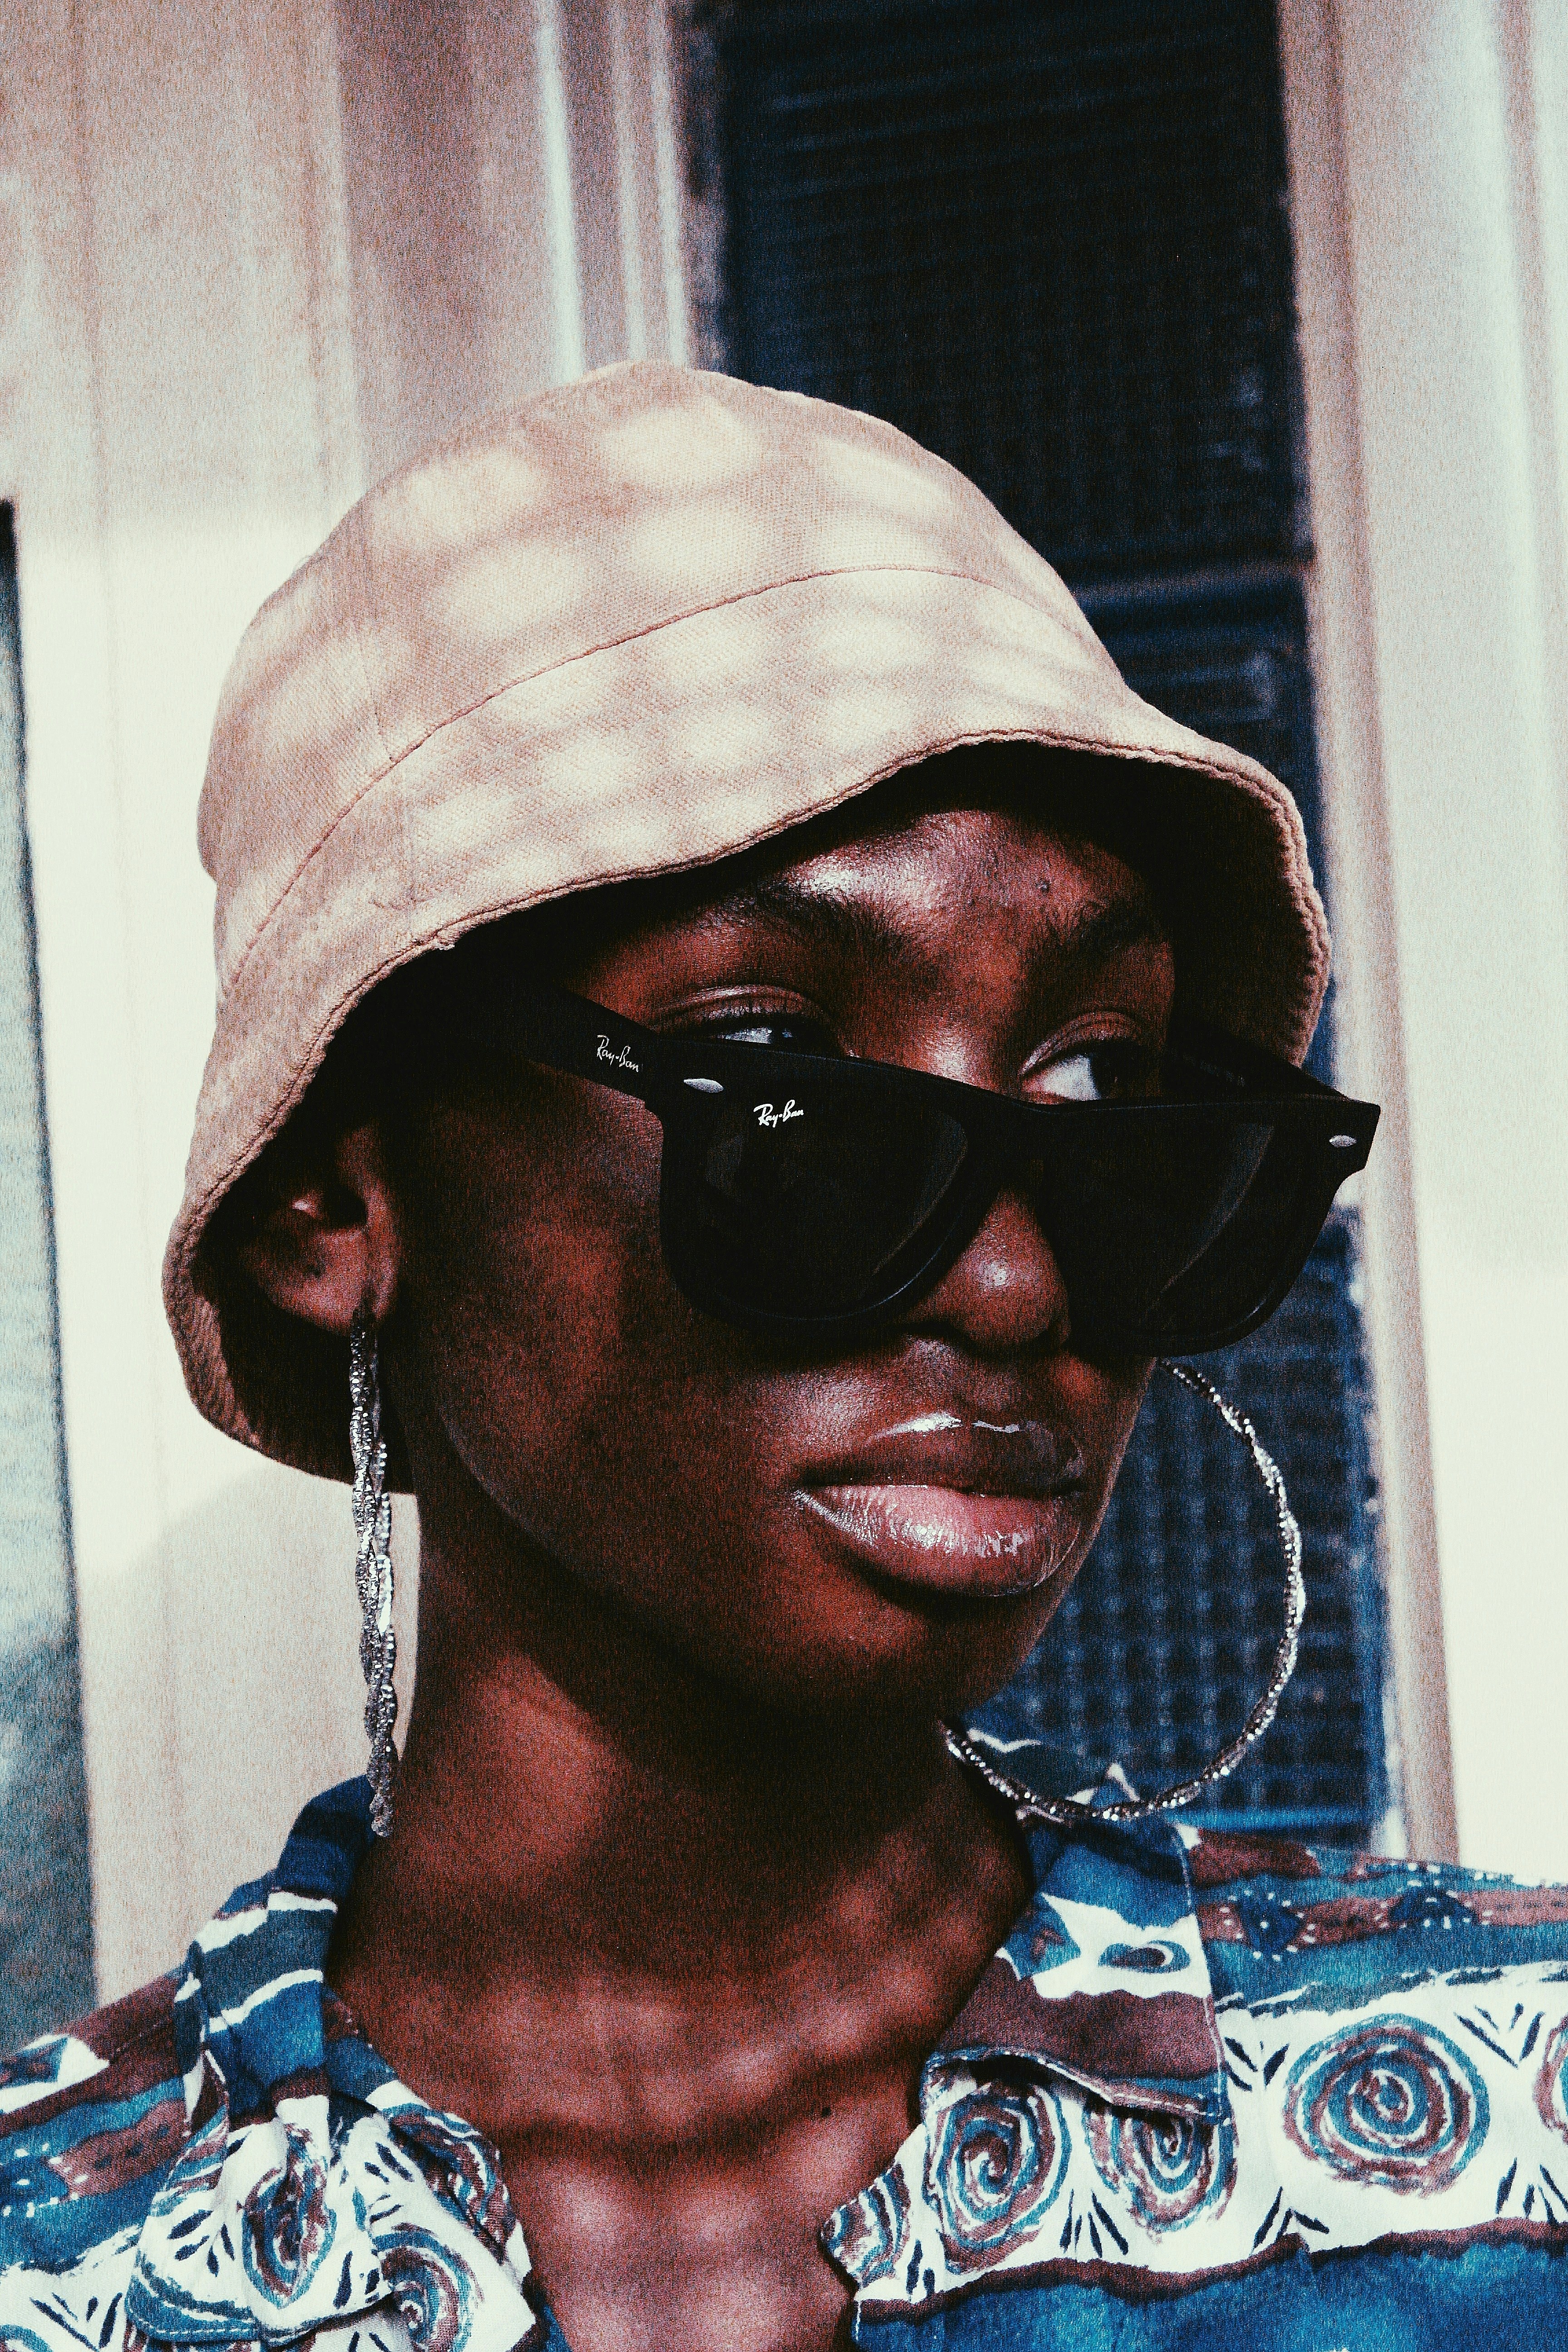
891,1525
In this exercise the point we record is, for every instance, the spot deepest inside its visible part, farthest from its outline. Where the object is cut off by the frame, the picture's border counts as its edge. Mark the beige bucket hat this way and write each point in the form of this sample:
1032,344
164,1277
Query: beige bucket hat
631,626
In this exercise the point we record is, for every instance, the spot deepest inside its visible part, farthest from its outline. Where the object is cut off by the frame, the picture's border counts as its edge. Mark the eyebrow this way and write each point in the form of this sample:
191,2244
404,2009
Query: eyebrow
863,930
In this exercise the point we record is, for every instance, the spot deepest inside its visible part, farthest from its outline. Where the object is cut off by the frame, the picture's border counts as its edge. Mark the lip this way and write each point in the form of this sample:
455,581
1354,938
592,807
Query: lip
979,1509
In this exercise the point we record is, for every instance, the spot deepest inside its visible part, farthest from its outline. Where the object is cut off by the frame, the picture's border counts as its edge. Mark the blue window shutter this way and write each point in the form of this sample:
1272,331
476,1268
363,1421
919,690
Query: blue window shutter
1051,241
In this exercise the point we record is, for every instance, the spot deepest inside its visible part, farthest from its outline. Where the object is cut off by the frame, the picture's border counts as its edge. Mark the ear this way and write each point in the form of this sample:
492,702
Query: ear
332,1245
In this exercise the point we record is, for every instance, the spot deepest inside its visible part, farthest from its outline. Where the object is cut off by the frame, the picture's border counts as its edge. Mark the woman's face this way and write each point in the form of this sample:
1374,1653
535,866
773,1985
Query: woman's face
894,1524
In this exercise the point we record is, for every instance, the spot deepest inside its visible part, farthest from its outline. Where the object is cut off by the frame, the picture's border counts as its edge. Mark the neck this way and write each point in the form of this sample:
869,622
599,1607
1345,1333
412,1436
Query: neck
557,1753
578,1807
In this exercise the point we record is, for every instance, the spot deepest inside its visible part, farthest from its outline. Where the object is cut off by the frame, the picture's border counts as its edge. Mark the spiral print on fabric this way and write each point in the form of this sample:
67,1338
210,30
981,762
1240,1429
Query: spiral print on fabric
432,2287
1551,2081
467,2168
1169,2168
868,2237
995,2160
1393,2102
286,2225
199,2169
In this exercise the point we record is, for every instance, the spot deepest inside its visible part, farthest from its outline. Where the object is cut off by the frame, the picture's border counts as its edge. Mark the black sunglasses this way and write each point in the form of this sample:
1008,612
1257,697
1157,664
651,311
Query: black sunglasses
812,1197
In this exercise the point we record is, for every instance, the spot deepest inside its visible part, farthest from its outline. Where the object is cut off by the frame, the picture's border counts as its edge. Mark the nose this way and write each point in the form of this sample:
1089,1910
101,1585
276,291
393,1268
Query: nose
1004,1293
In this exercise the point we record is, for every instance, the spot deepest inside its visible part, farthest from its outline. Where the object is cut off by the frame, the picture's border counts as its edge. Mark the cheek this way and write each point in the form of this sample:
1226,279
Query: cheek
1105,1398
614,1428
1104,1401
1113,1395
528,1261
617,1431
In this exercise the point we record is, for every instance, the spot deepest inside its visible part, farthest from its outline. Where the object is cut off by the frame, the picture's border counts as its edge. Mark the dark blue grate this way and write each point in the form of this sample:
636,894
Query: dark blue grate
1050,241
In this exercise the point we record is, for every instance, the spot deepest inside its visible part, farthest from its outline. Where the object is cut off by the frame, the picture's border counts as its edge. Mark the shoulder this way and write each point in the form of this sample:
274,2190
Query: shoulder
1302,2087
1401,2029
90,2122
1274,1911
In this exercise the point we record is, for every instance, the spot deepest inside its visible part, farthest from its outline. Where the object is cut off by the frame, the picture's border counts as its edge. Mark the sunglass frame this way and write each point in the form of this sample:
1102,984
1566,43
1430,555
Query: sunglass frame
675,1075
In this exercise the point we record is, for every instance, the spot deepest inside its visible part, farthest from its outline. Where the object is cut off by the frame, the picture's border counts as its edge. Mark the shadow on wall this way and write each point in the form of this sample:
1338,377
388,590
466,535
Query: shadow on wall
267,1706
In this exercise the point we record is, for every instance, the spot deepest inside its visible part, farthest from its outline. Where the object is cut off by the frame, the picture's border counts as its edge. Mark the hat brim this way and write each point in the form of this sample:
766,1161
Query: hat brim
667,751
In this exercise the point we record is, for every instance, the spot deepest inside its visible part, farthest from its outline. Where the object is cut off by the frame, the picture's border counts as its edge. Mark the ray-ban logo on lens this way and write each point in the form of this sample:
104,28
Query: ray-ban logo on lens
768,1116
623,1060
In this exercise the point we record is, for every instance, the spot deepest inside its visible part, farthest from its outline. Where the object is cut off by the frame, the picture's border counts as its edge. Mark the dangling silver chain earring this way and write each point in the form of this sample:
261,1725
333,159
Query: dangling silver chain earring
1066,1811
373,1567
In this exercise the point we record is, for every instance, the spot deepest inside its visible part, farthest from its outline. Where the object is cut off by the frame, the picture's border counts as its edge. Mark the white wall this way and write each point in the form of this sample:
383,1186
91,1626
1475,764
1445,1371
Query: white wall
250,254
1430,167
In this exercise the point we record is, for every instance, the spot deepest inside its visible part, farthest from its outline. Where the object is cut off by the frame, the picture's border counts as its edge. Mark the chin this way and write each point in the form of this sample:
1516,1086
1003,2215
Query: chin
935,1656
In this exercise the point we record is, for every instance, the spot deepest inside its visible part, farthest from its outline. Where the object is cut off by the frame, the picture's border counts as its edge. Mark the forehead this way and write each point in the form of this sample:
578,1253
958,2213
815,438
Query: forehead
938,890
933,861
1033,848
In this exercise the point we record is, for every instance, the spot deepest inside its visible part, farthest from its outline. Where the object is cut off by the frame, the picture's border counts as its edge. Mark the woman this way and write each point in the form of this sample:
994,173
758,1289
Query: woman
752,1243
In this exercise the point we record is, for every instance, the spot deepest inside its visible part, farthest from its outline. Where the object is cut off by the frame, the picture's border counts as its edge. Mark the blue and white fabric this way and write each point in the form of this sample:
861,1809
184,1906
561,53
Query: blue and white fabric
1318,2102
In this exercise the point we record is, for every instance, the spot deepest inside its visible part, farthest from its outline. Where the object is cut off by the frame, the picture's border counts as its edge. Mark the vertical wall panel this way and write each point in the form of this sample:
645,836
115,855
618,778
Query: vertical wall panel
1435,398
46,1930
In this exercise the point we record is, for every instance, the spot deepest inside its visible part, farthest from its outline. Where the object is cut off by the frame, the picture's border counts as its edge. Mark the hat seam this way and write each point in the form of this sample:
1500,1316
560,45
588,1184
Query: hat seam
720,604
588,653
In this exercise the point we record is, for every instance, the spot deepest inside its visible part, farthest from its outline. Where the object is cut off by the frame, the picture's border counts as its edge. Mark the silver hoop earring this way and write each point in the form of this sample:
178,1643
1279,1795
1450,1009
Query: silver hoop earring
373,1567
1067,1811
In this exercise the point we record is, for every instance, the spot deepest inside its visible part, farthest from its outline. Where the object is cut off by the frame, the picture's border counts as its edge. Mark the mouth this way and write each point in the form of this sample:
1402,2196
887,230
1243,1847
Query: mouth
949,1539
972,1511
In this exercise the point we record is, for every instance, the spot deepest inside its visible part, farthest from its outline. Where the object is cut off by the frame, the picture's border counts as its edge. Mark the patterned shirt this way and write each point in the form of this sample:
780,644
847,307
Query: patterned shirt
1211,2089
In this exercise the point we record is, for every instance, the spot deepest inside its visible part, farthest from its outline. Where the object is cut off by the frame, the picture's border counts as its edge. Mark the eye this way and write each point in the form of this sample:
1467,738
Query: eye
795,1033
1117,1069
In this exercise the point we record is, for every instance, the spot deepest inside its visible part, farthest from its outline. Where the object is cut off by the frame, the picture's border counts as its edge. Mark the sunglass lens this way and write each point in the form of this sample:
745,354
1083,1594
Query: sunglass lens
808,1206
1169,1230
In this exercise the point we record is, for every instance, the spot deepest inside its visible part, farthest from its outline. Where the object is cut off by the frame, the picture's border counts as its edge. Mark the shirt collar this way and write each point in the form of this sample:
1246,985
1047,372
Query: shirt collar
315,2186
1103,1979
1103,1984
